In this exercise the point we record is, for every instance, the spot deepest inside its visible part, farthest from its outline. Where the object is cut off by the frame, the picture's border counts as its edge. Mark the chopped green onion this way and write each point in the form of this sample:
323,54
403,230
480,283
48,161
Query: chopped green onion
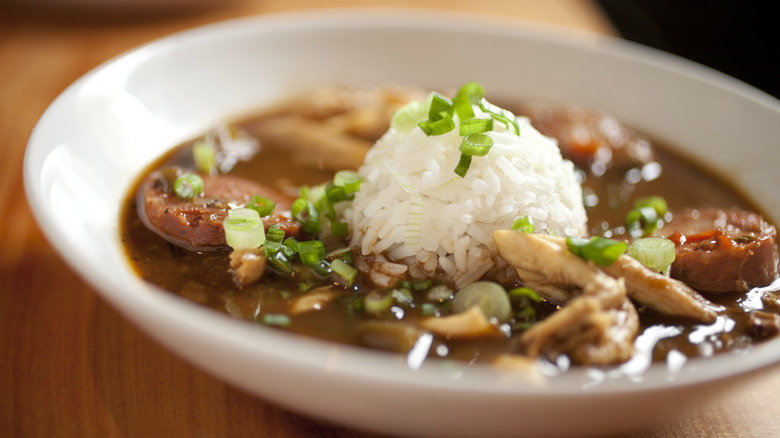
655,253
305,212
262,205
243,229
473,91
656,202
463,108
491,298
377,301
476,145
506,117
599,250
463,165
276,319
641,221
339,229
407,117
274,237
441,108
475,126
205,156
188,186
437,127
348,179
525,292
403,296
428,309
311,252
343,270
524,224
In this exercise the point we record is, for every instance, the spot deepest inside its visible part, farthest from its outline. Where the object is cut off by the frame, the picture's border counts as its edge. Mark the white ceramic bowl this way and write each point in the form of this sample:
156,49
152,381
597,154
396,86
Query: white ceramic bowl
104,129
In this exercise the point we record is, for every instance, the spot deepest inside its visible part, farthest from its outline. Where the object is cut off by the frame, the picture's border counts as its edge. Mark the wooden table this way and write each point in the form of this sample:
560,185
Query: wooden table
71,366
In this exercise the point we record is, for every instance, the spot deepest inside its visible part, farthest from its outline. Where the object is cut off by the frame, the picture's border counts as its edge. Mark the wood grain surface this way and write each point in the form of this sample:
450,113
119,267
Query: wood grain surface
70,365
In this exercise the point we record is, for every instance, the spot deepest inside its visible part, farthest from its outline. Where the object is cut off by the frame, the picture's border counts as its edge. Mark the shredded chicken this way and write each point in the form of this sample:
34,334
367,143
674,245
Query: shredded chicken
247,265
597,325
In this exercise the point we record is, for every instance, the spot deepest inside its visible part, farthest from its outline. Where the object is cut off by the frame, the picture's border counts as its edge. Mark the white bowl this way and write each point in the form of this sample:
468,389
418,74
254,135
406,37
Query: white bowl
103,130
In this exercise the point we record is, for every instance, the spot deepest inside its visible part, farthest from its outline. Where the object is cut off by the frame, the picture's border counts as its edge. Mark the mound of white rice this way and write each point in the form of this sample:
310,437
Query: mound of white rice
414,213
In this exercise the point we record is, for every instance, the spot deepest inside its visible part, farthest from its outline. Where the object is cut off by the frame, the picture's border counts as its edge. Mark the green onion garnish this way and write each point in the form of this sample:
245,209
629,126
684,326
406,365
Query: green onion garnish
377,301
339,229
506,117
599,250
655,253
524,292
475,126
491,298
463,165
524,224
641,221
407,117
343,270
205,156
305,212
473,91
476,145
441,108
188,186
347,179
437,127
463,108
311,252
262,205
243,229
276,319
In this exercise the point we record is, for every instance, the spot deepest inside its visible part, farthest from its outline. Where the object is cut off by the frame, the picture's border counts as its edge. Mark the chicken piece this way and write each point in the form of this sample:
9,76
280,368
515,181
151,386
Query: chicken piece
247,265
661,293
597,325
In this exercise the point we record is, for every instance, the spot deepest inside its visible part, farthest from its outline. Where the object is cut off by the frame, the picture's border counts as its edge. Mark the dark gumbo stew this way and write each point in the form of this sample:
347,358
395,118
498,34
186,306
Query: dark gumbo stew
632,189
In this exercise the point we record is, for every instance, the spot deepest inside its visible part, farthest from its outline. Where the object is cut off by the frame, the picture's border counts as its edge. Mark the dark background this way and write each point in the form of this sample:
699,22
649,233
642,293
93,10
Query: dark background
738,37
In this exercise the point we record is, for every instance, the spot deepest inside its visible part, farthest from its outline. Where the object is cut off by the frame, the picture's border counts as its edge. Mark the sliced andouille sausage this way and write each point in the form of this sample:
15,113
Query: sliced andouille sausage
196,224
723,250
594,140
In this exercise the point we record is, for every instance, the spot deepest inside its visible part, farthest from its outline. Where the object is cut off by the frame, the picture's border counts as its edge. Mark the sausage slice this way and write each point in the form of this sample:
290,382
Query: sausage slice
723,251
196,224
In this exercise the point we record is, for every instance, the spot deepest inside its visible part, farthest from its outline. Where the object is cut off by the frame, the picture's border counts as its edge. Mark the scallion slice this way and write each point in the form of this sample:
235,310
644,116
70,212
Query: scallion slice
262,205
348,179
312,252
476,145
441,108
243,229
343,270
437,127
463,165
377,301
205,156
474,91
491,298
506,117
339,229
641,221
305,212
188,186
475,126
276,319
599,250
655,253
524,224
463,108
407,117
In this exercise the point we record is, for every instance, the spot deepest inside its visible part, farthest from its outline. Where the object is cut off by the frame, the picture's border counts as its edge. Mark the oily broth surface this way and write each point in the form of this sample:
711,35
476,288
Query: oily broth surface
204,277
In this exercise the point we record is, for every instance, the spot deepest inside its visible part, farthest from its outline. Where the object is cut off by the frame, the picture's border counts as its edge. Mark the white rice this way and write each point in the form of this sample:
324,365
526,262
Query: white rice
413,210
